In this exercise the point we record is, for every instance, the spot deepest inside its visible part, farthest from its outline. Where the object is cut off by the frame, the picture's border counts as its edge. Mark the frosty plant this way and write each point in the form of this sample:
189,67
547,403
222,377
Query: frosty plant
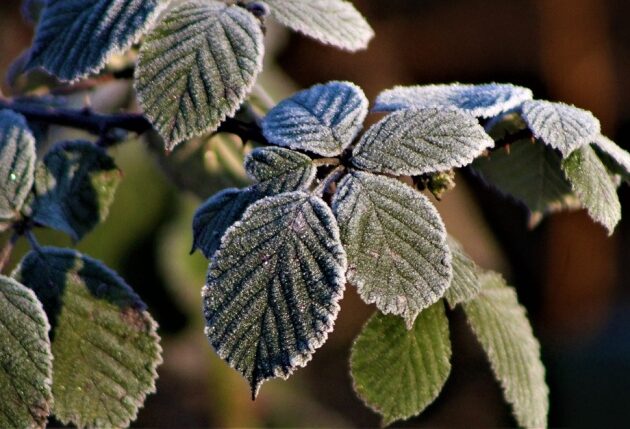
329,204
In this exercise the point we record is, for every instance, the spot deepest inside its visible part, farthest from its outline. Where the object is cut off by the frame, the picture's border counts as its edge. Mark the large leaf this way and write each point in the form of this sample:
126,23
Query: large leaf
479,100
396,243
399,372
594,187
74,188
419,141
75,38
274,286
17,164
502,328
559,125
104,342
25,358
465,284
323,119
205,55
334,22
614,157
279,170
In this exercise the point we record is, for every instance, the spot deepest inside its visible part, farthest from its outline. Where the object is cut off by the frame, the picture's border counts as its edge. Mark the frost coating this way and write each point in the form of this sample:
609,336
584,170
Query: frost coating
465,284
274,286
559,125
334,22
614,157
395,239
323,119
26,359
17,164
279,170
419,141
479,100
76,38
197,66
594,187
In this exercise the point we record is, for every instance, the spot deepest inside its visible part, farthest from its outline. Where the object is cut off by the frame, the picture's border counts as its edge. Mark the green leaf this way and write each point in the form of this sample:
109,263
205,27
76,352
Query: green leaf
479,100
76,38
616,160
333,22
593,186
502,328
396,244
104,342
17,164
279,170
559,125
465,284
399,372
419,141
25,358
323,119
74,188
205,55
274,286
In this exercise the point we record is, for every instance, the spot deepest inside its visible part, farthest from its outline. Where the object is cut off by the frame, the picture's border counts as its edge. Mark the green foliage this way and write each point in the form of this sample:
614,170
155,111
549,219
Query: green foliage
104,343
278,170
25,358
465,284
398,372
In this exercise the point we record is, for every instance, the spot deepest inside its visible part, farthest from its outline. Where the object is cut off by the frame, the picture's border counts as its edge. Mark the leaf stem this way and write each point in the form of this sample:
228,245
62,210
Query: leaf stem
327,181
7,250
320,162
32,240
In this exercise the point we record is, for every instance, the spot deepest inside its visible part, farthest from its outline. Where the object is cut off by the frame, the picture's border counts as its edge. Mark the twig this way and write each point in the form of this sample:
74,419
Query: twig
327,181
5,253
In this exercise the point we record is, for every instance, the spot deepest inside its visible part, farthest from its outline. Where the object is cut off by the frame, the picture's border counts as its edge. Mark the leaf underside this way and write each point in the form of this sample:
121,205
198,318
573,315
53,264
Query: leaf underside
419,141
399,372
396,244
25,358
205,55
105,346
76,38
274,286
465,284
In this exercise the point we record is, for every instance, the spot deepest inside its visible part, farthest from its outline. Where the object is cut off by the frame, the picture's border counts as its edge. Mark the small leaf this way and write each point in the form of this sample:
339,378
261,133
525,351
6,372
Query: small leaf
502,328
323,119
396,244
465,284
559,125
479,100
74,187
593,186
614,157
25,358
419,141
333,22
105,346
274,286
76,38
205,55
17,164
279,170
399,372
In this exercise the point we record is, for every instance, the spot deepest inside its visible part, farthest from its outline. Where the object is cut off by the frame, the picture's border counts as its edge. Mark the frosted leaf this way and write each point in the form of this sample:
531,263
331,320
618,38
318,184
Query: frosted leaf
25,357
501,326
479,100
419,141
323,119
614,157
395,239
32,10
197,66
104,342
333,22
559,125
74,188
593,186
17,164
274,286
398,372
76,38
465,284
279,170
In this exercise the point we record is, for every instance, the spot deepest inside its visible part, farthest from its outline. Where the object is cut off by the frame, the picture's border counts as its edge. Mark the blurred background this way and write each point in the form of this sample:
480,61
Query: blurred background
568,273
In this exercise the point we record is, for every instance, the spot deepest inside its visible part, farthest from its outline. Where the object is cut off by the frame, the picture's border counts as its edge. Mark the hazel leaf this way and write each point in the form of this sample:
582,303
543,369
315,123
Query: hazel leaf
274,286
616,159
466,283
279,170
395,239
